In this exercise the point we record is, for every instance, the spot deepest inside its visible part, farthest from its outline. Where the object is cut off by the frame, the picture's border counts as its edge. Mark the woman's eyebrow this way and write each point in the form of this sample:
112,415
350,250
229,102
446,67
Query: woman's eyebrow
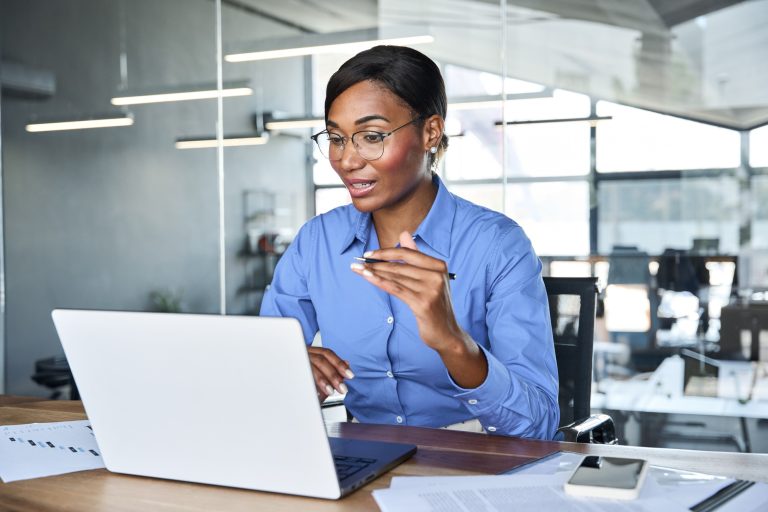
371,118
360,121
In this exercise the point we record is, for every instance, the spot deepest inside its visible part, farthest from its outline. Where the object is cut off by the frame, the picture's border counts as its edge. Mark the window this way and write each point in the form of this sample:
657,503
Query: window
760,218
659,214
327,199
758,147
551,149
638,140
476,153
462,82
554,215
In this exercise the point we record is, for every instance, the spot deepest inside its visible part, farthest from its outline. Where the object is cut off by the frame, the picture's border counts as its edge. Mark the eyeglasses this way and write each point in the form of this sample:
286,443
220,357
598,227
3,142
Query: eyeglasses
368,144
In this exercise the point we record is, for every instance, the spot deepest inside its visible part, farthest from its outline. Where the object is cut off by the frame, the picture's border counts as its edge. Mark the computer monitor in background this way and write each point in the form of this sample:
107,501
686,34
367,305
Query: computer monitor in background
705,246
677,272
744,332
744,325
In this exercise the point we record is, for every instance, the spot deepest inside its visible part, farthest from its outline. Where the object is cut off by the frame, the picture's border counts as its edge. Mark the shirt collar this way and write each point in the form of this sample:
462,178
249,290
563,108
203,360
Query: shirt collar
434,230
359,229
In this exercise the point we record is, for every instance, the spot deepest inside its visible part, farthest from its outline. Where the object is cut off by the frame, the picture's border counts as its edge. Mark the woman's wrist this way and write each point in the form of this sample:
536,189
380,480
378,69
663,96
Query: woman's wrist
465,361
457,346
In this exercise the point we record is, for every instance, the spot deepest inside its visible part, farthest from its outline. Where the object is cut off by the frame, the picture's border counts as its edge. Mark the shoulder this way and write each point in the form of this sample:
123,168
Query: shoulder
346,215
333,224
507,251
493,226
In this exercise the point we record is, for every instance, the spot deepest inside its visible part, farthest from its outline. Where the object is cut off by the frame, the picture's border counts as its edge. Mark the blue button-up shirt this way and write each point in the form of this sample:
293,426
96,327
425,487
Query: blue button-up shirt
498,299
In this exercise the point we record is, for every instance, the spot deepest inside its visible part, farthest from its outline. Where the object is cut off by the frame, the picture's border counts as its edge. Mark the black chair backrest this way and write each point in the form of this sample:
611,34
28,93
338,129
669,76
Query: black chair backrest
572,311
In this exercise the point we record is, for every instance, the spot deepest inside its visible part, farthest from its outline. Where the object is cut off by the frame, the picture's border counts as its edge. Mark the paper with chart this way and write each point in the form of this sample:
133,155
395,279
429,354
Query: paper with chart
44,449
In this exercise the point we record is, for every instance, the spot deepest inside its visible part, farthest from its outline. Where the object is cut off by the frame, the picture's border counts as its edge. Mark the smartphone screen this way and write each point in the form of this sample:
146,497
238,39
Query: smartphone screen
609,472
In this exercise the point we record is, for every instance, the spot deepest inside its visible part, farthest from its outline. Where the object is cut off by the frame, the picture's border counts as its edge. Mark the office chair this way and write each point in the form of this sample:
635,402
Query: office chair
677,272
631,306
682,282
572,312
54,373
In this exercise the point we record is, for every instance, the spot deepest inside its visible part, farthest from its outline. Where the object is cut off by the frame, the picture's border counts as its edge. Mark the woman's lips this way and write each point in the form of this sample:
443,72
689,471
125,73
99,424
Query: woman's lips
360,188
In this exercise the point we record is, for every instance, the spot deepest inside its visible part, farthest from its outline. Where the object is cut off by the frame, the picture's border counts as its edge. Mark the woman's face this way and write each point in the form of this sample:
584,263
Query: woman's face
396,175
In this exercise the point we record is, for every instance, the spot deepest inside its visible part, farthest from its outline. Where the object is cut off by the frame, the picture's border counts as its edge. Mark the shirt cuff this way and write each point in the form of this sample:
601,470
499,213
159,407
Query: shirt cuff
494,390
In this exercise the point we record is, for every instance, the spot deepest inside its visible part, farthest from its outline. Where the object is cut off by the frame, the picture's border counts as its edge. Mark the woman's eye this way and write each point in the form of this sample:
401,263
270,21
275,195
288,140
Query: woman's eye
372,138
336,141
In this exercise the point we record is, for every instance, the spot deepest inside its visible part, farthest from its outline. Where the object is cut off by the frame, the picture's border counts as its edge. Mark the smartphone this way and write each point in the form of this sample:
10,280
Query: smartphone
607,477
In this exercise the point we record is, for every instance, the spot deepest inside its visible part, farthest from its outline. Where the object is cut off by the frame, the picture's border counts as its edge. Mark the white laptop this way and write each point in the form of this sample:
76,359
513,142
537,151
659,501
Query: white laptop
222,400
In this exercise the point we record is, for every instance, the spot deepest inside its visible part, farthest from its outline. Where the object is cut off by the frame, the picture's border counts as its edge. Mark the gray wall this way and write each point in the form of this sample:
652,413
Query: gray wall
100,218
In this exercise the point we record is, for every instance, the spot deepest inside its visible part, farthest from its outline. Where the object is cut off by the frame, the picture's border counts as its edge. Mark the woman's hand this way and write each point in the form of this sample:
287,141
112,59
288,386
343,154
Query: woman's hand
421,281
329,371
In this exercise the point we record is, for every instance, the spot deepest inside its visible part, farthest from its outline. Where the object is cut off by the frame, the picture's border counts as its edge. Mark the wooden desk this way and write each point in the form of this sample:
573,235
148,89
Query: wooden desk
440,453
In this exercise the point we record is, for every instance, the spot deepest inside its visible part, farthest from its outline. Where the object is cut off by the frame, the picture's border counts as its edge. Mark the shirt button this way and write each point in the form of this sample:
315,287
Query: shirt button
490,429
471,401
390,375
399,419
390,319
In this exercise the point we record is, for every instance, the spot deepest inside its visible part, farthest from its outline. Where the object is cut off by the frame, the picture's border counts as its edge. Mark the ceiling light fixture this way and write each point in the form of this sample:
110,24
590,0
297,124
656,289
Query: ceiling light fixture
106,121
333,42
228,141
198,92
592,120
294,123
478,102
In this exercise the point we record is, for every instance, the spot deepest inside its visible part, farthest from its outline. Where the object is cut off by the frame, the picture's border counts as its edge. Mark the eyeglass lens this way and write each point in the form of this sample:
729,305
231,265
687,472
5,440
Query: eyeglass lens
369,145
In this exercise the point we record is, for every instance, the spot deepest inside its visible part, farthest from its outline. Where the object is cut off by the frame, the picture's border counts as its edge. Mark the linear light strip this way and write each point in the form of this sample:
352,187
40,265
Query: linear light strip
181,96
464,103
321,49
212,143
287,124
593,120
79,125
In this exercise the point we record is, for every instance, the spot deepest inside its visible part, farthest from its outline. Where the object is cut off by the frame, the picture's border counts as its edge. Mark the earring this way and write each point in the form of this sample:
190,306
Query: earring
433,149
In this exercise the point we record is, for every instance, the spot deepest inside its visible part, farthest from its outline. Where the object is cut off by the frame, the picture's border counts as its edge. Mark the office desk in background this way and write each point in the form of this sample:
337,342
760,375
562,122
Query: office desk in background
440,452
740,391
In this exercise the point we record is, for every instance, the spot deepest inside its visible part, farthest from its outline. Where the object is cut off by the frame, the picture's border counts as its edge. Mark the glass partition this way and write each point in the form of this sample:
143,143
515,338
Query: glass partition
265,184
111,217
599,129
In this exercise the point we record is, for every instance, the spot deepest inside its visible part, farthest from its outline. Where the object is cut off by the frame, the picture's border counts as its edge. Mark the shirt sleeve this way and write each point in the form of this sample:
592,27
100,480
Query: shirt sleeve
519,395
288,294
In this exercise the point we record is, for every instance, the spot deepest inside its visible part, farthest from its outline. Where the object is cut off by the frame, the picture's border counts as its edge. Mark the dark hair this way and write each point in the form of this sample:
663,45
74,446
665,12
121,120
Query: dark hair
408,74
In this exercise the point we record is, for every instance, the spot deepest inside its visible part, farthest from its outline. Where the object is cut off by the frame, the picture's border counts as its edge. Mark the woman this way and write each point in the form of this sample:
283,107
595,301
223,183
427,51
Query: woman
405,342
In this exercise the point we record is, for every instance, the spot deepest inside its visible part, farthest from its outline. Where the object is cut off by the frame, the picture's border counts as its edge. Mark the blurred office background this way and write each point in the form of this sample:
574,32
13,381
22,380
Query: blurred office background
628,138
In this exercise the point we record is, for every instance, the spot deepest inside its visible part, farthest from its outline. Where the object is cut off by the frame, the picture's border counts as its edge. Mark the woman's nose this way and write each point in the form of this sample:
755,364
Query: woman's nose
350,158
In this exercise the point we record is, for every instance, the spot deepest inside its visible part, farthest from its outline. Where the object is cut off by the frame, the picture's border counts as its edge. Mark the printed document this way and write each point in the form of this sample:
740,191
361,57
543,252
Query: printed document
44,449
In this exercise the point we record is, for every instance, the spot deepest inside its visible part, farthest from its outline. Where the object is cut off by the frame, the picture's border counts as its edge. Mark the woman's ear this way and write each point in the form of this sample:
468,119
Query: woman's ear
434,127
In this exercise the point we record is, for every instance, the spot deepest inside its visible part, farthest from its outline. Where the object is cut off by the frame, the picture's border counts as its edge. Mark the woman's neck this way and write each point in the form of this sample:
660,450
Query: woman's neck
406,215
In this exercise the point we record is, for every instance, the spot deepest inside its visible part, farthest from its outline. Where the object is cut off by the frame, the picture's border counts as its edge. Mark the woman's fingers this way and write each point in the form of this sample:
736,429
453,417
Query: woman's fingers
329,370
407,275
414,257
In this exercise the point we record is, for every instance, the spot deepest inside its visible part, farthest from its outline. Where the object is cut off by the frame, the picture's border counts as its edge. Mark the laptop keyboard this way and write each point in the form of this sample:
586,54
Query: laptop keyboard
348,466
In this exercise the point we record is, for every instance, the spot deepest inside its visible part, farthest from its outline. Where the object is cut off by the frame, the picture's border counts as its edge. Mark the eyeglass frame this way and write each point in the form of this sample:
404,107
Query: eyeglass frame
345,140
